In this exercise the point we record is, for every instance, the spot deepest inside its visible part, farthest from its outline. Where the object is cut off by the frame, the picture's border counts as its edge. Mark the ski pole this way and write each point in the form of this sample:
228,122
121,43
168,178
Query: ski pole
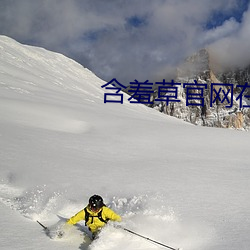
45,228
146,238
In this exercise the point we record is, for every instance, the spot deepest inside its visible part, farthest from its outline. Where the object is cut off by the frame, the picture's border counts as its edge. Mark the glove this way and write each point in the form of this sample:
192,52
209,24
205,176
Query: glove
62,229
60,234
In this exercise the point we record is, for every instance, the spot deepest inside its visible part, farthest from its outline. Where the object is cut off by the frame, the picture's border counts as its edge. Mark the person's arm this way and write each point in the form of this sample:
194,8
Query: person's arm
77,217
110,214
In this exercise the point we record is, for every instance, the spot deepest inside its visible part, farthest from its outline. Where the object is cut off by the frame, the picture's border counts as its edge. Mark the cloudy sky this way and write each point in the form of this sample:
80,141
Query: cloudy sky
131,39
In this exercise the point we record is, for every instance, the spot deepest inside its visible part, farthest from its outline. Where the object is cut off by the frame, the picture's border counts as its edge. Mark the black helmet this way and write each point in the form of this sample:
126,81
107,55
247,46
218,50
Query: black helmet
95,202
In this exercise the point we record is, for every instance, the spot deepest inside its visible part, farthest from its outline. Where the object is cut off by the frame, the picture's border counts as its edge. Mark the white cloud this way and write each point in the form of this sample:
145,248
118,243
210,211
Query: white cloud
228,28
101,35
233,49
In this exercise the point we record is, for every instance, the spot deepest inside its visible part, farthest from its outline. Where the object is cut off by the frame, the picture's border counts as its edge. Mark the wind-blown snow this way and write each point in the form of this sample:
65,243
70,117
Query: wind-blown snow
182,185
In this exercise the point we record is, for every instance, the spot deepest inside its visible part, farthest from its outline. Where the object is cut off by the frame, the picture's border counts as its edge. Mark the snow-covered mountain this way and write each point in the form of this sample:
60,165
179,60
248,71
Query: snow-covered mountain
182,185
201,67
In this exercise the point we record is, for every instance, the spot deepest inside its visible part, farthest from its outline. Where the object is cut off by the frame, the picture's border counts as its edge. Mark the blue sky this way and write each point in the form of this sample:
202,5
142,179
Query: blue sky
218,17
132,39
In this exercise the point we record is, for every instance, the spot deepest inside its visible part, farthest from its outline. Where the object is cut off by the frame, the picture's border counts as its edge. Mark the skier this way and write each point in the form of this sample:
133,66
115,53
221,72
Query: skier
95,214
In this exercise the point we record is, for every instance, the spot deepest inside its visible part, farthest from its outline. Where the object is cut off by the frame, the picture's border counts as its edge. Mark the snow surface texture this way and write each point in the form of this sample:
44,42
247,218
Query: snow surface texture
179,184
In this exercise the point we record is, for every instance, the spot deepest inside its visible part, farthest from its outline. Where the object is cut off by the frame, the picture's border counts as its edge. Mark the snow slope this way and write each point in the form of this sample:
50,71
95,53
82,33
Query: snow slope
176,183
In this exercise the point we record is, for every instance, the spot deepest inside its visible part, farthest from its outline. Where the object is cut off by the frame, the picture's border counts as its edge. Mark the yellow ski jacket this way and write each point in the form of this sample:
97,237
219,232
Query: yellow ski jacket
94,223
